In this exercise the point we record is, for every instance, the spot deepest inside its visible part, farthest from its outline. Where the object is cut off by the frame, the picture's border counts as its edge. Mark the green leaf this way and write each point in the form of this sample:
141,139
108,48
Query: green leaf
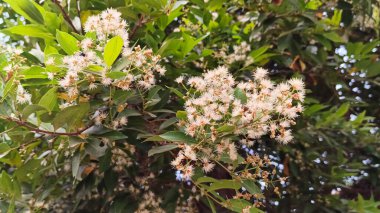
49,100
181,115
342,110
27,9
337,17
364,206
105,161
32,30
71,116
154,138
189,43
49,50
153,96
168,123
226,159
13,158
373,69
240,95
313,4
68,43
313,109
12,206
116,74
215,4
177,92
169,46
251,187
34,72
256,53
206,179
369,47
113,135
8,87
211,204
120,64
112,50
131,112
178,137
29,167
333,36
6,183
225,184
95,147
75,163
359,119
225,128
30,109
161,149
4,149
237,205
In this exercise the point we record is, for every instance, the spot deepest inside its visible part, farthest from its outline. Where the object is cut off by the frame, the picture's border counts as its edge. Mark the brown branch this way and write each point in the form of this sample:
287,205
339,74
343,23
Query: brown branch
139,23
37,130
65,16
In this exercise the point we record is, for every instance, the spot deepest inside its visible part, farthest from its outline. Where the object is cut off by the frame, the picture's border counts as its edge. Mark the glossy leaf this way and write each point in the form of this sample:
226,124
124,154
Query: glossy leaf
112,50
67,42
161,149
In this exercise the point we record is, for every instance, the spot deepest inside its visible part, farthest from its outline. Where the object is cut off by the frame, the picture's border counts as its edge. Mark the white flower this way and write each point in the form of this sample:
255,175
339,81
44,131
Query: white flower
18,51
285,137
123,120
188,172
106,81
179,79
232,151
260,73
189,153
207,165
49,61
23,96
86,44
50,75
92,86
267,108
161,70
296,83
8,68
92,23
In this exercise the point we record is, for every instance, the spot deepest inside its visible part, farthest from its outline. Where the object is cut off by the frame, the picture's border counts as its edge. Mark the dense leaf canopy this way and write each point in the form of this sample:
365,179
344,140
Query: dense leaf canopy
98,112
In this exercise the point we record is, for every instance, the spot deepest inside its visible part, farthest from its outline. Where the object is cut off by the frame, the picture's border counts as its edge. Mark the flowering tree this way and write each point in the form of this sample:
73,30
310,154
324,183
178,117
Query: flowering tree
157,106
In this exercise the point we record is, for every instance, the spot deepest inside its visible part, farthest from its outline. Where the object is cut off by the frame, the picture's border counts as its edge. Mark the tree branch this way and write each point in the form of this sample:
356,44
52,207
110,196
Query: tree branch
139,23
66,16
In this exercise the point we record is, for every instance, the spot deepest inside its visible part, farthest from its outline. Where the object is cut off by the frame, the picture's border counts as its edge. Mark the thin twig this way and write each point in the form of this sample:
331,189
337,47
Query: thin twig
139,23
66,16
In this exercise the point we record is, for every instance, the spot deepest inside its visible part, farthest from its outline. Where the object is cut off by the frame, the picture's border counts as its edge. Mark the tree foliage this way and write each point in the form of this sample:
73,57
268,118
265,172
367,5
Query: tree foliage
109,149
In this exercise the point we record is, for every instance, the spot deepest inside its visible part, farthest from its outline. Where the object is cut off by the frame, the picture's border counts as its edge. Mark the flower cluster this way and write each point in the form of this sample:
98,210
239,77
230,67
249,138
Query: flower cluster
217,106
23,96
15,65
87,70
148,200
121,159
253,108
240,54
108,23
